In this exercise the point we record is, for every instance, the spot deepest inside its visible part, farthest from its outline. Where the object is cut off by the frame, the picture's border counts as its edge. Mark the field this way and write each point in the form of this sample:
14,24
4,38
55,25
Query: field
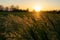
29,26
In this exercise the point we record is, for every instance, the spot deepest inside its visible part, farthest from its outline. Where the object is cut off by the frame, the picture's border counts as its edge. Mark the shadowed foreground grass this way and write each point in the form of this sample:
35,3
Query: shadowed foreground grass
24,26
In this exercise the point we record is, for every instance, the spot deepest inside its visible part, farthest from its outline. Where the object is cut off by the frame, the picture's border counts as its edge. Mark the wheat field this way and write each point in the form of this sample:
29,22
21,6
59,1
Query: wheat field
29,26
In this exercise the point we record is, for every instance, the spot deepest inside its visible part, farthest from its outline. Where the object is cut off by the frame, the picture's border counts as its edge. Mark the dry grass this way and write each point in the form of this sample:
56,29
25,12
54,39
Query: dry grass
14,27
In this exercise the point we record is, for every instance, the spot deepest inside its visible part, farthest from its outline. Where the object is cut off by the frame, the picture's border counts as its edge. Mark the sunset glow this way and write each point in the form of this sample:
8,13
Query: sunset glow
24,4
37,8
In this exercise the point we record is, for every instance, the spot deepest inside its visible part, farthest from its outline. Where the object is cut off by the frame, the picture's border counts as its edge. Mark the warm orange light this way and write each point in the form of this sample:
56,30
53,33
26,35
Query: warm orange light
37,8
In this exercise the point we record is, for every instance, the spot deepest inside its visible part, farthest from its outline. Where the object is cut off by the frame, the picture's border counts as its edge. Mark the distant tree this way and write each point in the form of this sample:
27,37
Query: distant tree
58,12
12,8
1,8
27,10
17,7
6,9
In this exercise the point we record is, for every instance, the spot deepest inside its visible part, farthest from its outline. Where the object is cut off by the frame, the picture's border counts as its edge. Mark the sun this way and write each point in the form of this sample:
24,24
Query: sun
37,8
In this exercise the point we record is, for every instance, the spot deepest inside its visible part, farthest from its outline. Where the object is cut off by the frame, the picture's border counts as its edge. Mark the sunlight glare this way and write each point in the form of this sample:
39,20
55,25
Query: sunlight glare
37,8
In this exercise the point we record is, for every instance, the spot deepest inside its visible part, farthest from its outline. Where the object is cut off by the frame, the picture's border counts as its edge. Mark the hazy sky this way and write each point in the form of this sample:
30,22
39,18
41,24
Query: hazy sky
45,4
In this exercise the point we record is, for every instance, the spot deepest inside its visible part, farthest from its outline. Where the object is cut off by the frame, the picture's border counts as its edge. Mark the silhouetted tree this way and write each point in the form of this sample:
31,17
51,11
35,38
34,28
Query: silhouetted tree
27,10
1,8
6,9
13,8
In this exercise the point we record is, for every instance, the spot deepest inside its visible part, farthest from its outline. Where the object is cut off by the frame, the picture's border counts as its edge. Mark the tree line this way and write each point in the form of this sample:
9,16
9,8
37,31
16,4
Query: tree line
12,8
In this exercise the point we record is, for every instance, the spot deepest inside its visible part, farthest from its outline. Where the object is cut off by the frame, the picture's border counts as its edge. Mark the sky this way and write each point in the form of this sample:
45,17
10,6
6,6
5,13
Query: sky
24,4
